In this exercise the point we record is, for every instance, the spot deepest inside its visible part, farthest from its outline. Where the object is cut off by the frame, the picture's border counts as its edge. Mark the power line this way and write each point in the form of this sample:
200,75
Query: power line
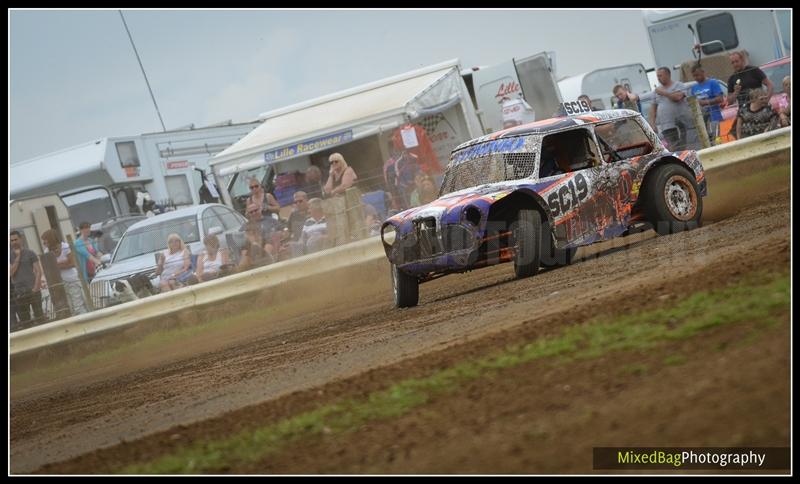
143,73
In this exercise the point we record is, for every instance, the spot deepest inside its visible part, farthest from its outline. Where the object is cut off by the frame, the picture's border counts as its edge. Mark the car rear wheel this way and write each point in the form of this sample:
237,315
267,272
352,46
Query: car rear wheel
406,288
672,200
527,236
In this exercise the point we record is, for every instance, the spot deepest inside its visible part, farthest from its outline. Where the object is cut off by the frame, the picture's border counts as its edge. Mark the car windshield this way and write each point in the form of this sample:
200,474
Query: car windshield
153,238
489,168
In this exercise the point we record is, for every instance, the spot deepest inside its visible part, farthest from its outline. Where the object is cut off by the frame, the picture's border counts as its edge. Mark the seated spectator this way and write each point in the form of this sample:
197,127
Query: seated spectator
757,117
174,264
254,216
213,262
299,215
315,230
256,251
341,176
785,113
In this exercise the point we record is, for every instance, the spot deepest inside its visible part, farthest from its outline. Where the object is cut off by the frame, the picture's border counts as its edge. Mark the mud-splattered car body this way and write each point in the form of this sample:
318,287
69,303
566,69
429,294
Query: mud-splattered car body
467,226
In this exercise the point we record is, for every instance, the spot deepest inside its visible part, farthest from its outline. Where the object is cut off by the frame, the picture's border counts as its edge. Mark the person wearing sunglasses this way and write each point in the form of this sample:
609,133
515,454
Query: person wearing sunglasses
266,202
340,177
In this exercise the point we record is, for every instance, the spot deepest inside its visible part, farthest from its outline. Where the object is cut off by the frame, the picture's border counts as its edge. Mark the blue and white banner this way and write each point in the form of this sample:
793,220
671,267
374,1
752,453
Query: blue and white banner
308,146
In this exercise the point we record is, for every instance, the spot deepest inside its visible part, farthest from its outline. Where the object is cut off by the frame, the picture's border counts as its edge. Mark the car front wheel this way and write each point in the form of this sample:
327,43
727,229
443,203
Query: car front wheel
672,200
527,234
406,288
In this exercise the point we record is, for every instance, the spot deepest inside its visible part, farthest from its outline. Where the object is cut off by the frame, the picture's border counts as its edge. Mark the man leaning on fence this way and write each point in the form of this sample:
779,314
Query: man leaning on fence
709,96
25,273
671,115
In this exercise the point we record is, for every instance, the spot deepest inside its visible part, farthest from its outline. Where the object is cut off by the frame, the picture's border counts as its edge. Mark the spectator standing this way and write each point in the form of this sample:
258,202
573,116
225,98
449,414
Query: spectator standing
212,263
406,169
69,273
313,182
340,177
709,96
174,264
266,202
585,97
626,99
757,116
671,113
745,77
299,215
87,253
25,273
390,175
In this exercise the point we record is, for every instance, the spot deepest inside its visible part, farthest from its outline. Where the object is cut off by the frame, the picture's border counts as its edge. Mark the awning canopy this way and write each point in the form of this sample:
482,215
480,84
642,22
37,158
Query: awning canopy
339,118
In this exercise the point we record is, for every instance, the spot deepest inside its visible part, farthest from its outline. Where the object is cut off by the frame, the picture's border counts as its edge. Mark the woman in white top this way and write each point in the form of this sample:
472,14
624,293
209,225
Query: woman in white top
212,260
69,272
173,263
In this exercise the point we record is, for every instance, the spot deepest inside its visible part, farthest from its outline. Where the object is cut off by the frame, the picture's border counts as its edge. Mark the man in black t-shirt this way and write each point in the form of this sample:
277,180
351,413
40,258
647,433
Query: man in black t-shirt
745,78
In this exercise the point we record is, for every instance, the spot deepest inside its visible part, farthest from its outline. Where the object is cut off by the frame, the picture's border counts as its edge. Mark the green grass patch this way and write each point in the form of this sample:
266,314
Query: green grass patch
675,360
763,297
635,369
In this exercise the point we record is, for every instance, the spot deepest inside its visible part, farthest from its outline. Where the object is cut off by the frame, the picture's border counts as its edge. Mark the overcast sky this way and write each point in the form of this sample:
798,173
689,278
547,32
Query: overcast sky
73,76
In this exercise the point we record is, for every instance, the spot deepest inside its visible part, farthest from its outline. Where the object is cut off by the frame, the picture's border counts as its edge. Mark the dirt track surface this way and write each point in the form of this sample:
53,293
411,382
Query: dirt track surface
55,421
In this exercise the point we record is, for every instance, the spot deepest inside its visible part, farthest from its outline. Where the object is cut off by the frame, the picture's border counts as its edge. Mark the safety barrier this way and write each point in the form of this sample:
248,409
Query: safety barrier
116,317
747,149
123,315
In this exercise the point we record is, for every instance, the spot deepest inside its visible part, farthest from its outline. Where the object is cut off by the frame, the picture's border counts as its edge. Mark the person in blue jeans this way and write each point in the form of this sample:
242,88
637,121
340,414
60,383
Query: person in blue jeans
709,96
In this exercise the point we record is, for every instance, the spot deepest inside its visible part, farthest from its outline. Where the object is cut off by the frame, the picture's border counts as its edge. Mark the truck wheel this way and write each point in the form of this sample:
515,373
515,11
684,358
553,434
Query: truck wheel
672,201
406,288
551,256
527,236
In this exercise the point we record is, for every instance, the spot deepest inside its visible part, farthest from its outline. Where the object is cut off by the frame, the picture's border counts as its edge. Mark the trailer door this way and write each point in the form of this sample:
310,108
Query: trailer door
539,87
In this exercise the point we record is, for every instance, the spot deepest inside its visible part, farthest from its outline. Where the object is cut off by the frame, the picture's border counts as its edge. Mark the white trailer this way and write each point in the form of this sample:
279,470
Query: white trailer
599,83
163,164
764,34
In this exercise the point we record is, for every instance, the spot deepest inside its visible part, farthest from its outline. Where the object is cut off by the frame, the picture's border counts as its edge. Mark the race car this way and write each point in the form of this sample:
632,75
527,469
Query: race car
534,193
